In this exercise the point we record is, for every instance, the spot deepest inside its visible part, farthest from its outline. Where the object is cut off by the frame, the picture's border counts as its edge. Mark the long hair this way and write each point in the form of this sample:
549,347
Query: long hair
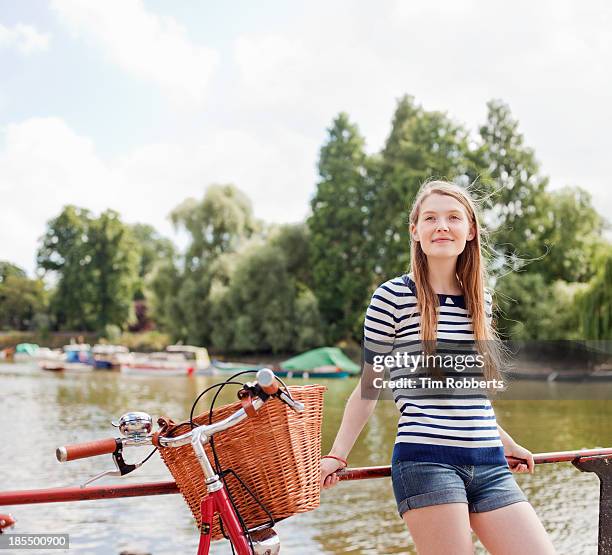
471,274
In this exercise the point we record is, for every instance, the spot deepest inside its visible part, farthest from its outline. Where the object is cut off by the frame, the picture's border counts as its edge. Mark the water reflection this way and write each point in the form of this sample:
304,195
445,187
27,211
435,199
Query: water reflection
46,410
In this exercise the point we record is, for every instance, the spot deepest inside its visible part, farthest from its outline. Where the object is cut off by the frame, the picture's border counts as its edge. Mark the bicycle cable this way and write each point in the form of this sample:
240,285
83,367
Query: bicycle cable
222,473
218,468
220,385
148,456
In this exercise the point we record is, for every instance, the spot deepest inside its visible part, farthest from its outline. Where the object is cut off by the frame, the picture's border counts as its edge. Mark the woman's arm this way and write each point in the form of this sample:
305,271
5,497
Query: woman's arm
357,412
513,449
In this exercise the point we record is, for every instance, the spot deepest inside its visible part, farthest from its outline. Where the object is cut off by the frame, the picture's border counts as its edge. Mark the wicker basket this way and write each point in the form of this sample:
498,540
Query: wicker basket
277,455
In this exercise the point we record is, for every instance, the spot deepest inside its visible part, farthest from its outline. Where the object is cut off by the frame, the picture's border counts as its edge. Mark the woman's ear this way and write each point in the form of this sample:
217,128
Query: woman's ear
413,232
472,233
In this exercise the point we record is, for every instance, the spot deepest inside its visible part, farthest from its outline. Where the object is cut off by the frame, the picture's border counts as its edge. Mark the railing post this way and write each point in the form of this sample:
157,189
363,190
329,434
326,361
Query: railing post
602,466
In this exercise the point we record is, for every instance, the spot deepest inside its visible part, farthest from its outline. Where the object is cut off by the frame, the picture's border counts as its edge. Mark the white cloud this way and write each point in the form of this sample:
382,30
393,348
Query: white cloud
25,38
152,47
549,60
45,165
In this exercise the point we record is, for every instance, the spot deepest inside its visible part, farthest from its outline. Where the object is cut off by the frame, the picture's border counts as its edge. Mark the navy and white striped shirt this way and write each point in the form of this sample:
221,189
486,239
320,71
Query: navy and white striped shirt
453,426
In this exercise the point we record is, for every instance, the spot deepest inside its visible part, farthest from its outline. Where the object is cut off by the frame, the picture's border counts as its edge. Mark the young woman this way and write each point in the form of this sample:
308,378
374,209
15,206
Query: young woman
449,470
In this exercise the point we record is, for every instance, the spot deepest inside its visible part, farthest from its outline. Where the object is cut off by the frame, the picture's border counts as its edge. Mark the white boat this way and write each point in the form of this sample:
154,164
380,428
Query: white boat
176,360
53,361
30,353
73,358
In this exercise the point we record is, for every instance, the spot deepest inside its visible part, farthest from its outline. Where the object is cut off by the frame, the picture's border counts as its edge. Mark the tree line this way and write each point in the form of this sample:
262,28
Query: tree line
244,285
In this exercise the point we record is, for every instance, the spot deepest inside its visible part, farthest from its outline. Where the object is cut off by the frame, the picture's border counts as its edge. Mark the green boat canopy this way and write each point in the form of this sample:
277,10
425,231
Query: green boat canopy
323,356
28,348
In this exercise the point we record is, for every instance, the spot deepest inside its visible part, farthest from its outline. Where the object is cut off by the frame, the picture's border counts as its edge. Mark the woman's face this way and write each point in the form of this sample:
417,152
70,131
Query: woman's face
443,227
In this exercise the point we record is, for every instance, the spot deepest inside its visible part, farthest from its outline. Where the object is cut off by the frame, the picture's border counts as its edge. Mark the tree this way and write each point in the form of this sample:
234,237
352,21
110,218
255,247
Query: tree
254,311
421,145
8,269
341,267
216,224
261,307
530,308
165,284
22,300
294,240
594,304
115,261
65,250
511,184
153,250
95,261
566,223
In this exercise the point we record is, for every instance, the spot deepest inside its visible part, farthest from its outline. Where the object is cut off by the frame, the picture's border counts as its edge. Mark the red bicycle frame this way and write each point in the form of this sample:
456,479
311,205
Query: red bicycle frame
218,502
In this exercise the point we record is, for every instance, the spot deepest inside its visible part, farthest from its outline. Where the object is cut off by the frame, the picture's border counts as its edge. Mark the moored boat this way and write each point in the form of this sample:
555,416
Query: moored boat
78,358
324,362
177,360
53,362
234,367
109,357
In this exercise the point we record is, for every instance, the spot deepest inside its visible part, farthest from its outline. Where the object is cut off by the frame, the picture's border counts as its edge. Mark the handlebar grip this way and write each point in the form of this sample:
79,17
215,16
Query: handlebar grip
88,449
267,381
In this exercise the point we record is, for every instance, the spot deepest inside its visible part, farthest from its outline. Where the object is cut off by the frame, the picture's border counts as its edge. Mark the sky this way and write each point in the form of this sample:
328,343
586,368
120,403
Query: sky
136,105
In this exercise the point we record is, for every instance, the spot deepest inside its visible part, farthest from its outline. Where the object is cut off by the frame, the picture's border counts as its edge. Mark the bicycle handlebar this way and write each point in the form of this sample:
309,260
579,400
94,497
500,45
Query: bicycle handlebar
265,379
87,449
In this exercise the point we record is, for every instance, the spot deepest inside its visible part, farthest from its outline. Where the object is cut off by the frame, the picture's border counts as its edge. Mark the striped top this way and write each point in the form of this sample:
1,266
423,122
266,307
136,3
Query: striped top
454,425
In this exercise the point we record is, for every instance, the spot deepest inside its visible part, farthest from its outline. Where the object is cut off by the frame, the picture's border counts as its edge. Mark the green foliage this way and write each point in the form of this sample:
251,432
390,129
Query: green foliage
566,222
65,250
422,145
8,269
260,308
96,262
529,308
308,327
295,240
165,284
153,251
115,260
512,188
595,302
144,342
22,300
340,252
237,291
216,224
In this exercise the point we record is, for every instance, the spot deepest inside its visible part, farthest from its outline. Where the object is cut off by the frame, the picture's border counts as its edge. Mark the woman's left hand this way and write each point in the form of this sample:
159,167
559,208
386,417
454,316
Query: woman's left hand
518,452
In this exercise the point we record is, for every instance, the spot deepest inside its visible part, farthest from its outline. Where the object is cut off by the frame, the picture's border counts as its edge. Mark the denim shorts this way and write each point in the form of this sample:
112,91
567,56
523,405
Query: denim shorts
482,487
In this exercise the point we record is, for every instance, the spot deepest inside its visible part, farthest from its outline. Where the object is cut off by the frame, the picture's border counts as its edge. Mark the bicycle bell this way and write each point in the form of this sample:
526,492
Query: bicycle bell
134,425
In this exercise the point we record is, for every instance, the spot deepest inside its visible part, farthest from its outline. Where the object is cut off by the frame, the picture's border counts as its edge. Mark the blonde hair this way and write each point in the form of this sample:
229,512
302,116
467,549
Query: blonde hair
471,274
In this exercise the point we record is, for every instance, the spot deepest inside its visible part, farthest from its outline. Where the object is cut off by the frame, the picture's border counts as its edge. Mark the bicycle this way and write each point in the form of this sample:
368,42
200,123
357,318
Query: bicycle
136,429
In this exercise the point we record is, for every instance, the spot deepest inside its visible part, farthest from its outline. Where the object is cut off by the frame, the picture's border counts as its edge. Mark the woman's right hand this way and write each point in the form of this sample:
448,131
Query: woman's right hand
329,469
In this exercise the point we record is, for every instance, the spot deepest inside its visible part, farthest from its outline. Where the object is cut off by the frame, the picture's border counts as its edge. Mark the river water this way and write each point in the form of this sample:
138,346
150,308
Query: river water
41,410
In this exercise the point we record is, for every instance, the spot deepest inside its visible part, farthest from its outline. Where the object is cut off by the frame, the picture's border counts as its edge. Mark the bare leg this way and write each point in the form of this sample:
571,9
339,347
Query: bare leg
441,529
512,529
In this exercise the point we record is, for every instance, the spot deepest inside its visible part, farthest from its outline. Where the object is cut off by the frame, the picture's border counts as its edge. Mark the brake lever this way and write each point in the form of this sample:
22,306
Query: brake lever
101,475
122,467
